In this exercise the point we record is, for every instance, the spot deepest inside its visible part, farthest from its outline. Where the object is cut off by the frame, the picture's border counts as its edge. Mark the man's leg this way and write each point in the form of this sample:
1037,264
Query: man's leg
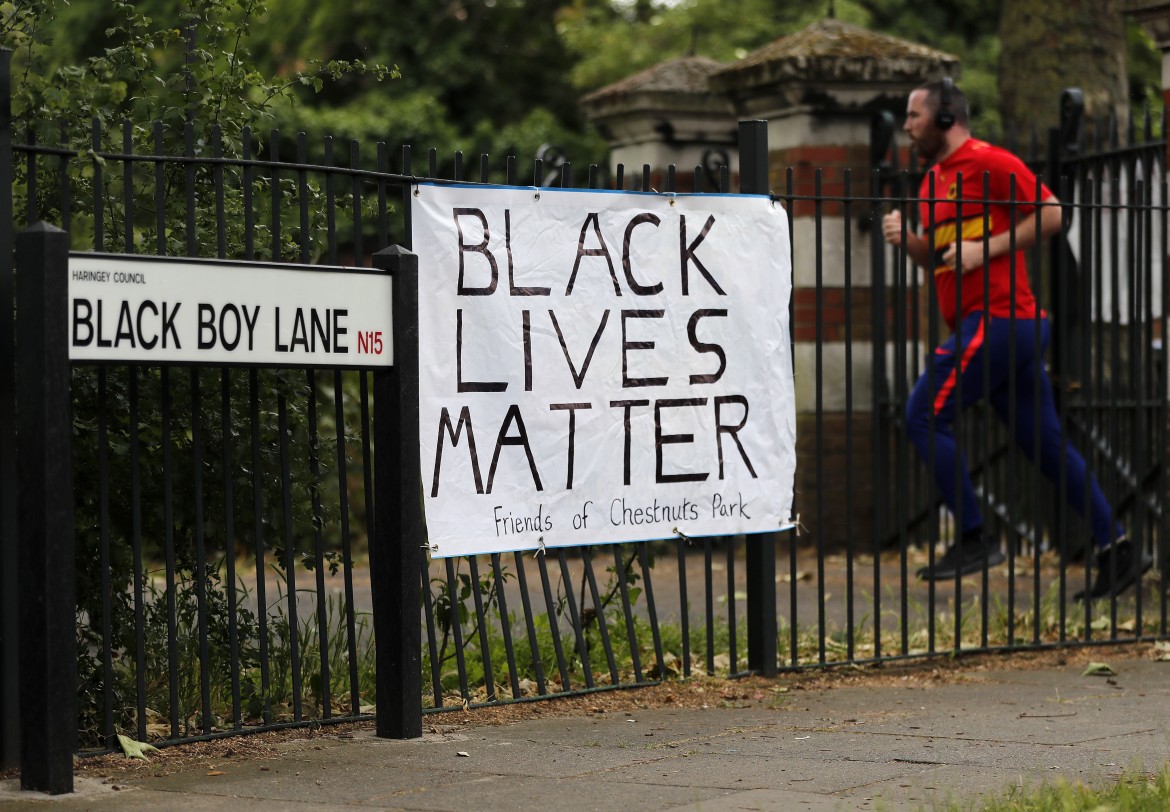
1036,412
1119,563
954,374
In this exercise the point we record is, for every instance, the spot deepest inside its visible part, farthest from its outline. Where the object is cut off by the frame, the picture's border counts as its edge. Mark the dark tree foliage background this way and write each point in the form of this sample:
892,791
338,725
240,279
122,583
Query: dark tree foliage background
504,76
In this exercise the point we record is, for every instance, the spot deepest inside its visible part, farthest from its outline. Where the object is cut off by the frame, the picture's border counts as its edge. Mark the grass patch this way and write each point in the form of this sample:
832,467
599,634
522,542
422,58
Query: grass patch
1136,790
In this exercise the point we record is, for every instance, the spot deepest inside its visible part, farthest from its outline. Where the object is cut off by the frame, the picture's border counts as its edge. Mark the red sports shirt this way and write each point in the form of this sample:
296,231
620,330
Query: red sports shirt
972,160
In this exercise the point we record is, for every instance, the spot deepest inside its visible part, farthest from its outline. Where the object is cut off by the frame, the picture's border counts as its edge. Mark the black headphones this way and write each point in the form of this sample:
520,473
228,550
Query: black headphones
944,117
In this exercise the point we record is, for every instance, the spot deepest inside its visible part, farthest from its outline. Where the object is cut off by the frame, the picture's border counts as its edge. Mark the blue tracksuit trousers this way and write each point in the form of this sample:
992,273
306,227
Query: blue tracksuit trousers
1035,411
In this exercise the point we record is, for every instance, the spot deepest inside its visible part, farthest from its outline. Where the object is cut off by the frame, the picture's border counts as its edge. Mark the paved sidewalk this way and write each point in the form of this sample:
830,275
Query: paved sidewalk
906,745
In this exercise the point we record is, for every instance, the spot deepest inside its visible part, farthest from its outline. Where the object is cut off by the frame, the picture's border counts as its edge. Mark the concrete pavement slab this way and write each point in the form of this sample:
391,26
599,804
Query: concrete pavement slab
569,795
133,799
498,751
697,768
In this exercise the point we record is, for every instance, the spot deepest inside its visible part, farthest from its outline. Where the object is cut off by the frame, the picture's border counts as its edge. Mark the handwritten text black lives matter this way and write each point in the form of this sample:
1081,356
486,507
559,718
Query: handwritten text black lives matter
599,251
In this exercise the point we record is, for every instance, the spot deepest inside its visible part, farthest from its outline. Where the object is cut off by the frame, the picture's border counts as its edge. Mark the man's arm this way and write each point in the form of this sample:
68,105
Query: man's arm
916,247
1026,231
1027,235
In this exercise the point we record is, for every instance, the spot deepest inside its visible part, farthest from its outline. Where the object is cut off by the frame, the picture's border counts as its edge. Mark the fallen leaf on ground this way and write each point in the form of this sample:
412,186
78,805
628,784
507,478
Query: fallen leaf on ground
135,749
1098,670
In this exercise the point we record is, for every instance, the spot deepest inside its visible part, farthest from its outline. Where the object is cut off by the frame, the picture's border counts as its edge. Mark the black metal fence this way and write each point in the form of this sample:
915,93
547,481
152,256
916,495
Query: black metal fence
222,516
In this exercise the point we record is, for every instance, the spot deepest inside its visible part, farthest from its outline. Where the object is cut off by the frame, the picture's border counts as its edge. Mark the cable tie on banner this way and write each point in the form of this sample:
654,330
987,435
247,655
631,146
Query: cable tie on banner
798,525
536,196
681,534
540,549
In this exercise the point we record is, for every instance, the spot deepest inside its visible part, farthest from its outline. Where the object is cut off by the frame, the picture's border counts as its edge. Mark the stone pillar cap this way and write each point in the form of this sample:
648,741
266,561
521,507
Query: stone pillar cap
833,51
679,84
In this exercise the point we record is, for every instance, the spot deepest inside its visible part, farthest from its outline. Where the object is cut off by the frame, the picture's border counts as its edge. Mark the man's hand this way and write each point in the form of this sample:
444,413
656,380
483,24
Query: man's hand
972,255
892,227
914,246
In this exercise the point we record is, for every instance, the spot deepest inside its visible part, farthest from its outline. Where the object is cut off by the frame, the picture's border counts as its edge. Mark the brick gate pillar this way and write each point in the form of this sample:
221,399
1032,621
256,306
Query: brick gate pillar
666,115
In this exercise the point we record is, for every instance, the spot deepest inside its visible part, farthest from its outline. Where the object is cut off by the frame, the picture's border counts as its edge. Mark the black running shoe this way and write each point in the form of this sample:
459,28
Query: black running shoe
975,556
1119,566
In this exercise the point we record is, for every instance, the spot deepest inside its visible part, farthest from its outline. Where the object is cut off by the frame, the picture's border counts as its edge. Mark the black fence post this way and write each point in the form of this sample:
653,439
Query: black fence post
9,574
399,533
761,549
1055,247
1063,271
48,652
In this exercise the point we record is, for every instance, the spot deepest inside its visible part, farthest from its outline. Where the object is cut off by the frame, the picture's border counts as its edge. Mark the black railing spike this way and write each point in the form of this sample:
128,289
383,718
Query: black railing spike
645,177
98,208
192,217
330,202
458,165
302,184
433,162
670,178
1130,128
66,185
620,181
537,172
484,172
355,162
220,215
566,175
697,179
510,165
1147,121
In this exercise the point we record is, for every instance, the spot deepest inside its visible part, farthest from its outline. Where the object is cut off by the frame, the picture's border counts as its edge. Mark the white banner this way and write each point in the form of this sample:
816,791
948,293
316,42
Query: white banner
167,311
601,366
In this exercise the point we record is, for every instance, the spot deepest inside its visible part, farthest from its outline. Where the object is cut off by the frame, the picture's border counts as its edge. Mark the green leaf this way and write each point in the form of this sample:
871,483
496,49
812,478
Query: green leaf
135,749
1098,670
